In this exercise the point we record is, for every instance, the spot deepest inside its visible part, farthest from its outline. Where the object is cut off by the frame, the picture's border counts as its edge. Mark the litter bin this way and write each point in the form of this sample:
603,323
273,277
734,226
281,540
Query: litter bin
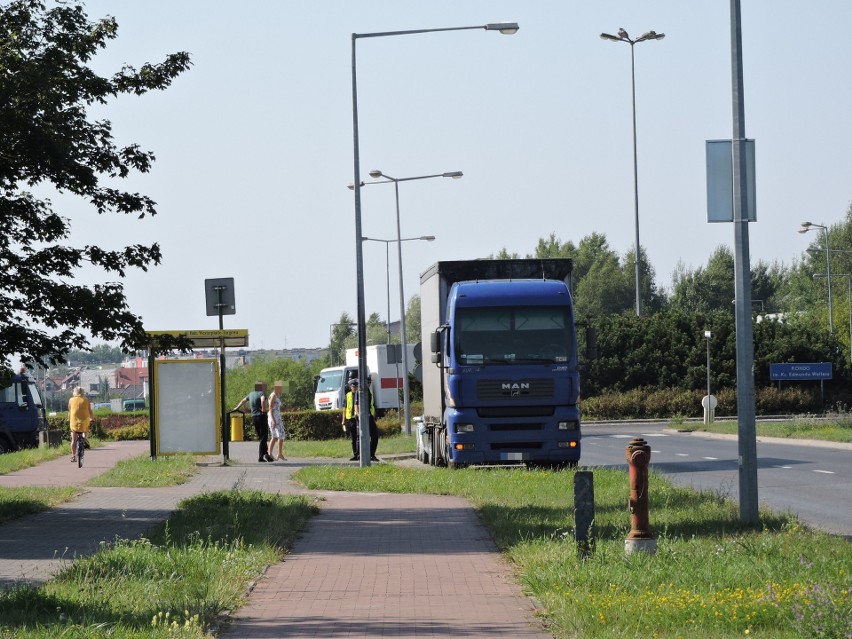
237,421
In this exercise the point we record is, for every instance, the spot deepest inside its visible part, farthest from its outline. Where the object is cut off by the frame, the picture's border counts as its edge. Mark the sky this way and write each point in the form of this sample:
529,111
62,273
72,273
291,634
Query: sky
254,143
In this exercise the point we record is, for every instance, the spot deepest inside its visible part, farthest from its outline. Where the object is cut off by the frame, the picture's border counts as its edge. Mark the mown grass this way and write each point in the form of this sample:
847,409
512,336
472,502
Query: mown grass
838,429
175,584
29,500
343,448
711,576
20,459
144,472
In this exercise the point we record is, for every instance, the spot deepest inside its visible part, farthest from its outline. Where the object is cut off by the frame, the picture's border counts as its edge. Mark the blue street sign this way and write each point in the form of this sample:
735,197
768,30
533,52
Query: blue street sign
818,370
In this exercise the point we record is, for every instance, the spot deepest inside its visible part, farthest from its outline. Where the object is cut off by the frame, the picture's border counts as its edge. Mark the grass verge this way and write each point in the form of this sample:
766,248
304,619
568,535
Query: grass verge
20,459
831,429
343,448
29,500
175,584
711,576
144,472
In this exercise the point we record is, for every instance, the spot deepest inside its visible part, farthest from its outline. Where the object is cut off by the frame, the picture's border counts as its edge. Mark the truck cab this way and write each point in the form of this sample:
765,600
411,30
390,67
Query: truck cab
21,415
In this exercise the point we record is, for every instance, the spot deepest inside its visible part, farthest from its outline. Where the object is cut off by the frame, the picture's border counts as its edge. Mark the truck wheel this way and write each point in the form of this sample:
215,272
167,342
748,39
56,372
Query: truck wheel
5,447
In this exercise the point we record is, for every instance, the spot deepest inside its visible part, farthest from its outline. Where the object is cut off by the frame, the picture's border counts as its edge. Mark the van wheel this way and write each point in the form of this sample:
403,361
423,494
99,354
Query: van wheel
5,447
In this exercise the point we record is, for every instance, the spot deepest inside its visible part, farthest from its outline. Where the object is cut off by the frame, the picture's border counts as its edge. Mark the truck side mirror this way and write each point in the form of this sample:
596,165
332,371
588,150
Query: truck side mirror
435,342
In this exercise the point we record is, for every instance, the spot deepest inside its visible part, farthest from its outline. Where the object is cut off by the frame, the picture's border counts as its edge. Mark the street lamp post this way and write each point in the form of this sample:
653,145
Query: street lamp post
507,28
807,226
623,36
406,395
426,238
848,301
707,336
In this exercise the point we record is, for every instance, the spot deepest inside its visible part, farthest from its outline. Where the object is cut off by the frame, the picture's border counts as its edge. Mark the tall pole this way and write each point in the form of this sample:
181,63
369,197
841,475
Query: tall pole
637,262
363,395
828,276
708,367
507,28
387,275
406,398
623,36
747,439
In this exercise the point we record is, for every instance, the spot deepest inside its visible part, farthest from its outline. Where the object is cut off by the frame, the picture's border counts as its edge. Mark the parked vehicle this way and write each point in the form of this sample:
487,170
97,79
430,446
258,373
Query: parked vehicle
503,385
21,415
384,365
330,387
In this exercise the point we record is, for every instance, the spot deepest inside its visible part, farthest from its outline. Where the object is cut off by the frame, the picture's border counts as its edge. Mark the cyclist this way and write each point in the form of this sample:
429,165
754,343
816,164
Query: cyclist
80,416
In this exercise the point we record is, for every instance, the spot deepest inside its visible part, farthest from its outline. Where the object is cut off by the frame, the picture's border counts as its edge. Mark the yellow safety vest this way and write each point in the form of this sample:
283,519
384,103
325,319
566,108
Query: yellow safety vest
349,412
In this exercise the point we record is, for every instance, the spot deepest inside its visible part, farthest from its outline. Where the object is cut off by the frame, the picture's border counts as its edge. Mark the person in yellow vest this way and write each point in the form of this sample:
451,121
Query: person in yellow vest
350,423
80,416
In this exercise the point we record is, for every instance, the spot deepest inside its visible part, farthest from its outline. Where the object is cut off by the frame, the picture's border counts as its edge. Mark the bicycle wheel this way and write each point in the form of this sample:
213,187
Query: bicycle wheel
80,450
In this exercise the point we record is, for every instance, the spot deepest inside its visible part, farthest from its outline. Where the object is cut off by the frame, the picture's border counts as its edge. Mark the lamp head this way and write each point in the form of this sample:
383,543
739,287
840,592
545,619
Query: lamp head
806,226
453,174
609,36
623,34
506,28
428,238
375,174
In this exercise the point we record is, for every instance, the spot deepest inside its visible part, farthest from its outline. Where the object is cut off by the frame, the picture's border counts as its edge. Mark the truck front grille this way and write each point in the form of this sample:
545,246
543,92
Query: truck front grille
509,389
515,411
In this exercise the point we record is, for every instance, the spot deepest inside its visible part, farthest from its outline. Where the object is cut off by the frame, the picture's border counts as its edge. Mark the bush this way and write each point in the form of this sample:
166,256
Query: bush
667,403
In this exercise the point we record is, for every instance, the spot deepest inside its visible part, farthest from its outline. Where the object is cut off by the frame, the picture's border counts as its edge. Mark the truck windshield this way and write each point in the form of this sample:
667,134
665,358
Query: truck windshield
329,381
519,335
35,394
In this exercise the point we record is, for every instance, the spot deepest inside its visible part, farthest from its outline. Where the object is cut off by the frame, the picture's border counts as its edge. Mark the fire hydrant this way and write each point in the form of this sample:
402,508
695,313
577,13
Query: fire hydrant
640,538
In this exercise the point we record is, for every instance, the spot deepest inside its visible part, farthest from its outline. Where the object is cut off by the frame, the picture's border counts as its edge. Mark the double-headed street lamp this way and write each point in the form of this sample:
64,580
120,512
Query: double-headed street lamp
507,28
406,398
808,226
624,37
406,394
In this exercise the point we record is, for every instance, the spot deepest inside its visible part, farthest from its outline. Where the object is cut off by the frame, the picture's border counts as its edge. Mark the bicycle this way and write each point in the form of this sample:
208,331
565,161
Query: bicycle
81,448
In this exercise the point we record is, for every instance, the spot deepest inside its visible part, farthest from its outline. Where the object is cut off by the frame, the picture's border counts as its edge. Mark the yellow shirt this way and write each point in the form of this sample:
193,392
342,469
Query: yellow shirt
79,414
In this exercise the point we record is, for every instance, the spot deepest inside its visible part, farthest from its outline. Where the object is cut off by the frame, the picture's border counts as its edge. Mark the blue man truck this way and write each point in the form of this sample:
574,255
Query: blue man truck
21,415
503,385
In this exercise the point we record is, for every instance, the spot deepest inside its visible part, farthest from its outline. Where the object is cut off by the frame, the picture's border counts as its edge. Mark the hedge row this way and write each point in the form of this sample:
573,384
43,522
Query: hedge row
299,425
667,403
634,404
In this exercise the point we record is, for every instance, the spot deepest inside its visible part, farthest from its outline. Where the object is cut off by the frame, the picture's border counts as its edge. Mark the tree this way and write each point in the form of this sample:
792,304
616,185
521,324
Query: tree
47,139
412,320
340,334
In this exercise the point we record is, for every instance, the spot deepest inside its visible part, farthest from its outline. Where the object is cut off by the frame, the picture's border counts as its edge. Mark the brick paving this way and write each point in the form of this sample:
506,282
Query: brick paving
369,565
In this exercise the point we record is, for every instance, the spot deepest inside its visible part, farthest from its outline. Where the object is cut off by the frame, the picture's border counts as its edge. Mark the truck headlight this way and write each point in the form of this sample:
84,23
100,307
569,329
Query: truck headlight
464,428
569,425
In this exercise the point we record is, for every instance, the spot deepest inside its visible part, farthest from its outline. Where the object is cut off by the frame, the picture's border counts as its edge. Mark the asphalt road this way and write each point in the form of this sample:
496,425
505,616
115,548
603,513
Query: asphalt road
811,479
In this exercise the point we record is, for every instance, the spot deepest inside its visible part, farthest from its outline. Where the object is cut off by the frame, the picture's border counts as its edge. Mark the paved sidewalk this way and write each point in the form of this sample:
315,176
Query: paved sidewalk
369,565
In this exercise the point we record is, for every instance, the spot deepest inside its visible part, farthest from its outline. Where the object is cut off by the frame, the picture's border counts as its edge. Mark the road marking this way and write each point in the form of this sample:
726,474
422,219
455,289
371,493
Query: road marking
712,458
784,467
825,472
682,454
621,436
655,435
656,451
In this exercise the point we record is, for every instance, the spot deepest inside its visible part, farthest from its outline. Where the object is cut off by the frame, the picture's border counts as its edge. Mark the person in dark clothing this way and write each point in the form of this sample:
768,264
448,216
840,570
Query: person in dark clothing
258,405
374,428
350,421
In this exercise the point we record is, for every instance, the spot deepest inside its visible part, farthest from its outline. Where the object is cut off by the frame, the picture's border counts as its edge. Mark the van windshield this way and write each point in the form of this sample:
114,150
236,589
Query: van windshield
329,381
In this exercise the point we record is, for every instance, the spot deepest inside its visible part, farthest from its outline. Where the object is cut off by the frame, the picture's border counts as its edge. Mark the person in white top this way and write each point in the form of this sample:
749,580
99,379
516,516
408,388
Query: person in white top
276,426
